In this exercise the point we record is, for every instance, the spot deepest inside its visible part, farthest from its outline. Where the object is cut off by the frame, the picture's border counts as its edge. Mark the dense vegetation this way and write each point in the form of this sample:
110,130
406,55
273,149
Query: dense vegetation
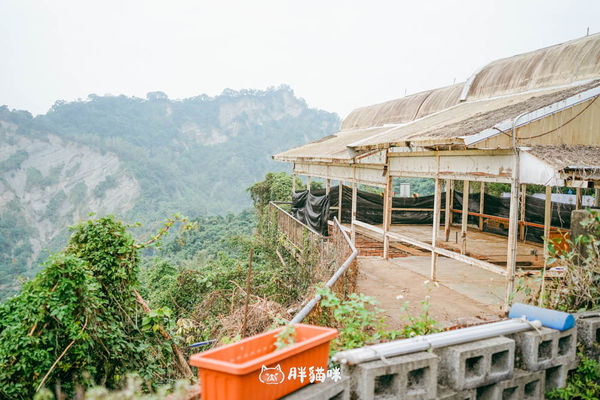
195,156
77,322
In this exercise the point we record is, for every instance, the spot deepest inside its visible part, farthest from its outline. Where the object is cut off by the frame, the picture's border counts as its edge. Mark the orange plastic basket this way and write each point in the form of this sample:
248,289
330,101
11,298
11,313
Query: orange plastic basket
234,371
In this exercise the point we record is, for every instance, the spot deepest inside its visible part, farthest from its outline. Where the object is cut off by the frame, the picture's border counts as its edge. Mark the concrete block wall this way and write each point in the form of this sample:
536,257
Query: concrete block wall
519,366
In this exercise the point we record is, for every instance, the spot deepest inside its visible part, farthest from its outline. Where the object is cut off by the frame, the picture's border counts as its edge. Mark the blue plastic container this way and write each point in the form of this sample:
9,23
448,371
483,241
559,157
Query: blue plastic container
549,318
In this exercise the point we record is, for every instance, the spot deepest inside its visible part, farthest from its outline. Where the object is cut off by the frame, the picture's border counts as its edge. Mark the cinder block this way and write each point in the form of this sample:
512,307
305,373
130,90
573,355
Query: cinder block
323,391
588,332
470,365
445,393
548,348
524,385
556,377
413,376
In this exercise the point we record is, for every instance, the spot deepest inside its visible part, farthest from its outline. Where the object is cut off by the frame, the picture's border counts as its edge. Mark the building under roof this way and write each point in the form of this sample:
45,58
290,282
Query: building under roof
533,118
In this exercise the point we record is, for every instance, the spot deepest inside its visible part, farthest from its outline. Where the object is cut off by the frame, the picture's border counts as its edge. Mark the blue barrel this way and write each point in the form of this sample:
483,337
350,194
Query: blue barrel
549,318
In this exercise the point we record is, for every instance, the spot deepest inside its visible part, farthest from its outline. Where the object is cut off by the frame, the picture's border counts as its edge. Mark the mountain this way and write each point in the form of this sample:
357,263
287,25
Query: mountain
141,159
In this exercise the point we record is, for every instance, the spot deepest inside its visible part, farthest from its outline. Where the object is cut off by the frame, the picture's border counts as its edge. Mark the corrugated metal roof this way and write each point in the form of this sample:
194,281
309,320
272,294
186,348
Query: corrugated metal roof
561,64
403,110
329,148
449,126
499,91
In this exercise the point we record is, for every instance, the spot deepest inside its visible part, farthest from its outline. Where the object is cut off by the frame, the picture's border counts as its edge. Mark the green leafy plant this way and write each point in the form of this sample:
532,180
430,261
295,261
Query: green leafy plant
583,383
578,288
80,320
286,337
422,324
358,319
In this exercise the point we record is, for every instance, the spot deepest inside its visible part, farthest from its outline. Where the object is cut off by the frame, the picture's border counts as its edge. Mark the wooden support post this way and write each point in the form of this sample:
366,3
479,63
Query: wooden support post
308,183
578,198
465,218
437,203
547,220
354,193
293,183
522,216
511,255
447,212
481,203
387,214
340,192
327,186
596,197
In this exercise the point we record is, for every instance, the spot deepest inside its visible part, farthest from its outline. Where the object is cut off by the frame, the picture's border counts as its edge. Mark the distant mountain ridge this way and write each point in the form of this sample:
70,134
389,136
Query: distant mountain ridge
141,159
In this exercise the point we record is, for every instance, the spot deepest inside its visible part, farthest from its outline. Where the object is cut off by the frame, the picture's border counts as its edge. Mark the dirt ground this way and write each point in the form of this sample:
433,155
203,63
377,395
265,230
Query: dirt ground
392,285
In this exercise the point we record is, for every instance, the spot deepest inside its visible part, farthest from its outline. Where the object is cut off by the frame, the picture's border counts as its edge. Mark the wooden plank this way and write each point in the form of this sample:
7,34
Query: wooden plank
522,216
387,215
437,200
340,192
511,254
547,221
413,209
354,193
327,186
465,217
481,201
444,252
448,213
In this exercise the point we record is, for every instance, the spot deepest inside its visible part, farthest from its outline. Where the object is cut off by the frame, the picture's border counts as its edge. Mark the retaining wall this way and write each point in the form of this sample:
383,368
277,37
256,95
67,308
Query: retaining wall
519,366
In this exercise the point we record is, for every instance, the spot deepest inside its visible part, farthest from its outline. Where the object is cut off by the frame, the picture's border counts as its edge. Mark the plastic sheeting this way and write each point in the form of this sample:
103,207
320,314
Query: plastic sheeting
311,209
370,210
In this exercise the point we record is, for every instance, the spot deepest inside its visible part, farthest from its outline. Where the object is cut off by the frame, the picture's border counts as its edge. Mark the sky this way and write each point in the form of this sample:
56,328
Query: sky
337,55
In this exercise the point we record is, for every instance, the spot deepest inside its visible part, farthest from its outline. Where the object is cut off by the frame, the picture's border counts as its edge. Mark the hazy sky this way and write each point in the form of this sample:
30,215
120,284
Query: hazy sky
337,55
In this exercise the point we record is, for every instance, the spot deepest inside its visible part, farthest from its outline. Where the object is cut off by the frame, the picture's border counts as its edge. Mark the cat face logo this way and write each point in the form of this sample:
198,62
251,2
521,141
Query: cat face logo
271,376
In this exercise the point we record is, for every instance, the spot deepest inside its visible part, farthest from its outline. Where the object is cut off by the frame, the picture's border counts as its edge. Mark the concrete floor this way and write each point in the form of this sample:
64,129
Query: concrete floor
475,283
461,301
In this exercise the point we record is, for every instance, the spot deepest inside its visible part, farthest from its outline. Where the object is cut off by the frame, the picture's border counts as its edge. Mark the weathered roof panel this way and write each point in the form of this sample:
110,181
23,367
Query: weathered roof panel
562,64
567,157
467,118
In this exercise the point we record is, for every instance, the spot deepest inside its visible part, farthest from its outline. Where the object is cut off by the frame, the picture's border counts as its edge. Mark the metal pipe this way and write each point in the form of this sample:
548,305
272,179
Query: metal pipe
313,302
511,256
433,341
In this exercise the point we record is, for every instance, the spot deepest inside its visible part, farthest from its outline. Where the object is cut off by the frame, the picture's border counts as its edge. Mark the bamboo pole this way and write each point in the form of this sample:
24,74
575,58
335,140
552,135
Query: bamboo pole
578,198
244,323
327,186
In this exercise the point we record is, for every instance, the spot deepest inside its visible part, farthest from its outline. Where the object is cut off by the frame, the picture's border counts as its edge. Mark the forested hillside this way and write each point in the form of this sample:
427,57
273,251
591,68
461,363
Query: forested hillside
141,159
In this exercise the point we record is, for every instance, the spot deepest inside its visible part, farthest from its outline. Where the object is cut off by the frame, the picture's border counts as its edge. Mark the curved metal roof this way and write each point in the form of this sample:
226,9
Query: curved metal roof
562,64
403,110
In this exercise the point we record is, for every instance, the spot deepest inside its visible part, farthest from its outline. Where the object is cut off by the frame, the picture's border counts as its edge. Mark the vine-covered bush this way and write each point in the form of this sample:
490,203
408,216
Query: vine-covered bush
77,322
578,288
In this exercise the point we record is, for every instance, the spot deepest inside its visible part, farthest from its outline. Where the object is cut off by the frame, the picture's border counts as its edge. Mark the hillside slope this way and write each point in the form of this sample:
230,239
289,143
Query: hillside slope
141,159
